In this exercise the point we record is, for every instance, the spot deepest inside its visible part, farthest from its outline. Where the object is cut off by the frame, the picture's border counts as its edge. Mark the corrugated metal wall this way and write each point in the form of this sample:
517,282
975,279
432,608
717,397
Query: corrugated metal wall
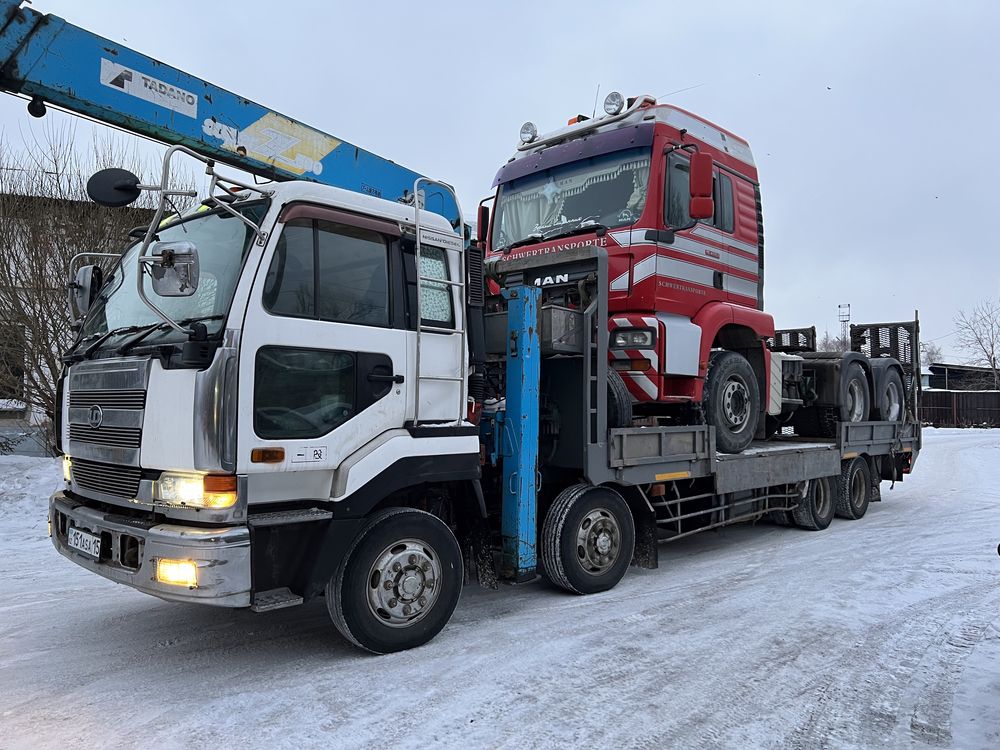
960,408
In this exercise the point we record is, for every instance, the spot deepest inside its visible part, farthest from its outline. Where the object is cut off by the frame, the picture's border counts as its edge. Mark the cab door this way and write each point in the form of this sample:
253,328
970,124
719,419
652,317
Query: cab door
323,366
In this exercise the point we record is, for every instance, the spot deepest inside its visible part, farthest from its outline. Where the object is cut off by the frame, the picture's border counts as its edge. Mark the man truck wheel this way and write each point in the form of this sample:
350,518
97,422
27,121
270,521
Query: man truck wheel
816,509
587,539
399,584
855,398
890,397
731,401
619,402
855,489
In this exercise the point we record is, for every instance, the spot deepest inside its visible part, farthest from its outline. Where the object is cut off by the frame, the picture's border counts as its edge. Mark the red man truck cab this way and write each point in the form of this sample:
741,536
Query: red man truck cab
675,201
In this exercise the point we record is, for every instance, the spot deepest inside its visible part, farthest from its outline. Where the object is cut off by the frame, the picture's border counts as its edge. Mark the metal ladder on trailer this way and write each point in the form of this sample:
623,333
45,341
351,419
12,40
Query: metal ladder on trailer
459,284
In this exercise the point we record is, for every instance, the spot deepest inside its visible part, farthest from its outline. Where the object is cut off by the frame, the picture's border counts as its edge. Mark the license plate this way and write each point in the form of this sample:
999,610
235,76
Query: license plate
85,542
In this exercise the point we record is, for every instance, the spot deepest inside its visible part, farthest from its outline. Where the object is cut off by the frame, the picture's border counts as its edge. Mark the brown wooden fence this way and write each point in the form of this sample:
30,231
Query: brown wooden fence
960,408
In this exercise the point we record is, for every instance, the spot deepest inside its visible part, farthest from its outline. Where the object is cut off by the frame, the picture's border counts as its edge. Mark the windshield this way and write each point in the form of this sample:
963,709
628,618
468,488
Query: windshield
221,239
609,190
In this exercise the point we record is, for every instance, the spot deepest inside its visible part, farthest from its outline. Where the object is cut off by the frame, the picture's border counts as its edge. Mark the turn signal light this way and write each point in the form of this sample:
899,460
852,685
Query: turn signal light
177,572
267,455
219,491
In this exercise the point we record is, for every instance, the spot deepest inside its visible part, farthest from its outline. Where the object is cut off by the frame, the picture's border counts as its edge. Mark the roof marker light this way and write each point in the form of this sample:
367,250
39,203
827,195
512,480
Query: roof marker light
528,132
613,103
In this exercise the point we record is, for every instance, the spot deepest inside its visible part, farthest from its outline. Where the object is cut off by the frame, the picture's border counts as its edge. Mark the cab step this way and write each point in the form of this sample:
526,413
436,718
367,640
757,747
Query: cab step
283,517
265,601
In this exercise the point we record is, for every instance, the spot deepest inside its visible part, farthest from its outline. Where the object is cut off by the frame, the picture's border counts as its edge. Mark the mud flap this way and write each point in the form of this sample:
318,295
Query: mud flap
647,548
477,552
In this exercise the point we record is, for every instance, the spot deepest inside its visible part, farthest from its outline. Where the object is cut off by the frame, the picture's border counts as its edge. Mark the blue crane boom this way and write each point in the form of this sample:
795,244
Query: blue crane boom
52,61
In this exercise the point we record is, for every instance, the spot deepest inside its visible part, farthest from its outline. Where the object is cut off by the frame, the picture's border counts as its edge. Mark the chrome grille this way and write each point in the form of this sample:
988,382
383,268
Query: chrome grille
120,481
108,399
119,437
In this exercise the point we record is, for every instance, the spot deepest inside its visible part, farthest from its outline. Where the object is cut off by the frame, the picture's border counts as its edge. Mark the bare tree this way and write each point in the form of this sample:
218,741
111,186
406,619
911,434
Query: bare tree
929,353
978,336
45,219
833,343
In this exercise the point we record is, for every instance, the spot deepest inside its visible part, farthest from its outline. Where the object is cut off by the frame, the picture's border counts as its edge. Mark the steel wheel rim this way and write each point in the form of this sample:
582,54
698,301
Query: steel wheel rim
736,403
598,541
821,499
894,402
857,489
855,401
404,583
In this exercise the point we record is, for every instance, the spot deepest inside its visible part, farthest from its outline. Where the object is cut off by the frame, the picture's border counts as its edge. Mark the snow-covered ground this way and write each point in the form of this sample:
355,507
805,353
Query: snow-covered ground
883,632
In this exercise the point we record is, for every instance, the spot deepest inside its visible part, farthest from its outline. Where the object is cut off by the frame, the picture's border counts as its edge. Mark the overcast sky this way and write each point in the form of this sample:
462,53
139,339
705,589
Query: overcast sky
874,125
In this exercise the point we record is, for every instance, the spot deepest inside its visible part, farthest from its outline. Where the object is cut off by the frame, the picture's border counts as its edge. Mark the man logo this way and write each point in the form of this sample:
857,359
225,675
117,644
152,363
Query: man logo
96,416
559,278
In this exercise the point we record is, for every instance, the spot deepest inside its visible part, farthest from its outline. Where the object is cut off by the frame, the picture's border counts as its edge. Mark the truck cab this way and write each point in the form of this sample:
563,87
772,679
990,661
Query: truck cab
675,201
279,354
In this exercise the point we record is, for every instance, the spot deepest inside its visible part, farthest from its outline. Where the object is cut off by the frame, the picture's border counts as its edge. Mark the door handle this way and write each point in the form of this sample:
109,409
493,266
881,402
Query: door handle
379,378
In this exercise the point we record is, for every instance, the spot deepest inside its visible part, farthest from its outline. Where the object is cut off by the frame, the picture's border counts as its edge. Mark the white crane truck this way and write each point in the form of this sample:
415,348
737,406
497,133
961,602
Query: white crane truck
297,391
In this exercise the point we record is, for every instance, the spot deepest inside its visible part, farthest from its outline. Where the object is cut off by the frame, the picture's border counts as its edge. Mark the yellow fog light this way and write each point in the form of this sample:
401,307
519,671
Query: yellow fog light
177,572
67,469
210,491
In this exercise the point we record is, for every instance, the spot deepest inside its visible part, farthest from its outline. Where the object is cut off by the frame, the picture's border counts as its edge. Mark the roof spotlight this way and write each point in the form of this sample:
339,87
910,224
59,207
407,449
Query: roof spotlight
528,132
613,103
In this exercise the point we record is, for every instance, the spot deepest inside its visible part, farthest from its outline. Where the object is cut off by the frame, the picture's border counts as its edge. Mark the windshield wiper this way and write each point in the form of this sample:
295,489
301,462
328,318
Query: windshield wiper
579,229
533,237
101,338
147,330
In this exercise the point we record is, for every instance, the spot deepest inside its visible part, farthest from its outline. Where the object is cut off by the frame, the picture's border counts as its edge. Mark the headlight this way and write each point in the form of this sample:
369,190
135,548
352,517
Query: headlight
637,339
177,572
528,132
67,469
613,103
195,490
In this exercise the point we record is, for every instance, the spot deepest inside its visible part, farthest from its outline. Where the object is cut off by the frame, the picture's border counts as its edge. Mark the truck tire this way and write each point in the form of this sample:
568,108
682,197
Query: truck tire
399,584
619,402
890,397
855,489
815,511
587,539
731,401
855,396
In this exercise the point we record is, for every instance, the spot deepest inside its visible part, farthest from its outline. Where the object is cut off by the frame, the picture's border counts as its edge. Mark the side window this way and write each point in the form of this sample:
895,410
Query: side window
290,286
723,202
678,192
435,299
327,271
353,275
302,393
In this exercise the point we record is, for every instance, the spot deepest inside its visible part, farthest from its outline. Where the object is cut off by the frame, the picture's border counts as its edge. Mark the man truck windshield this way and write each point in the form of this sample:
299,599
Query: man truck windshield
221,239
609,190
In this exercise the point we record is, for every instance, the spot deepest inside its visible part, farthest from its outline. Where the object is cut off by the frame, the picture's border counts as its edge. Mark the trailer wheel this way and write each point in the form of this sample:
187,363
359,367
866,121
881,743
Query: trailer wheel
855,397
890,397
399,584
855,489
619,402
731,401
816,509
587,539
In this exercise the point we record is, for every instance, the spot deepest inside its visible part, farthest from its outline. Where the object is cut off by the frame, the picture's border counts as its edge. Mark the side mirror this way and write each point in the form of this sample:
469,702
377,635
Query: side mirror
702,205
84,288
173,267
483,225
113,188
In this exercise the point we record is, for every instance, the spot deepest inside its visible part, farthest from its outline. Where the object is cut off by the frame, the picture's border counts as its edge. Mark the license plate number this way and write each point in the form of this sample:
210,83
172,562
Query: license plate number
85,542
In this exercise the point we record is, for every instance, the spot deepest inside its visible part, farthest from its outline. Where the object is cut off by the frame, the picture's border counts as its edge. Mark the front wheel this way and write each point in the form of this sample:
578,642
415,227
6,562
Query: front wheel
399,584
731,400
587,539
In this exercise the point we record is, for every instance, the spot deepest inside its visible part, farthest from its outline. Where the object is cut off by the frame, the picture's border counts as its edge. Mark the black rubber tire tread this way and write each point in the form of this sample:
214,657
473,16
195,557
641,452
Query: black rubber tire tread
720,365
335,586
855,371
805,516
882,404
619,402
555,547
845,508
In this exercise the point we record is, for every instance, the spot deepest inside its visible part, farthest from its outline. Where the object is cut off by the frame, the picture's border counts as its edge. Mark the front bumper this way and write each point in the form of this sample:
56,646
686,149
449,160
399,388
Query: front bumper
130,548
